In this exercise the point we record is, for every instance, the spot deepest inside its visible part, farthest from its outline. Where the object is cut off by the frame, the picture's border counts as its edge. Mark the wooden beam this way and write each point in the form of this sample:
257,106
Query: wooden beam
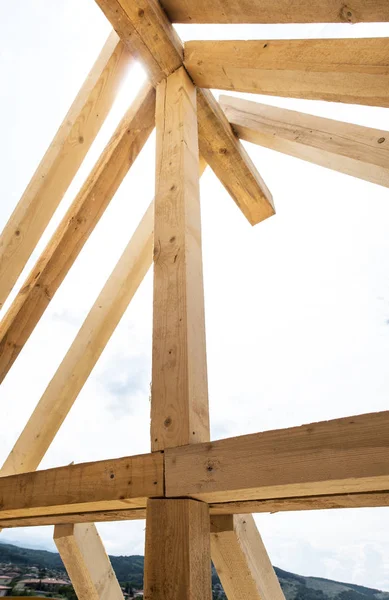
75,227
177,558
342,456
220,147
358,151
145,29
61,162
355,71
98,486
102,516
325,502
84,352
179,406
87,562
177,553
99,325
241,560
276,11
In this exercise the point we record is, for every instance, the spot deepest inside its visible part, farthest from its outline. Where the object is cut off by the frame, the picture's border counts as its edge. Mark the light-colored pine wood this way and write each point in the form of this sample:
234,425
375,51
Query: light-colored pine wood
355,71
75,228
177,557
342,456
86,349
87,562
179,406
102,516
362,152
84,352
221,148
276,11
241,560
98,486
325,502
145,29
61,162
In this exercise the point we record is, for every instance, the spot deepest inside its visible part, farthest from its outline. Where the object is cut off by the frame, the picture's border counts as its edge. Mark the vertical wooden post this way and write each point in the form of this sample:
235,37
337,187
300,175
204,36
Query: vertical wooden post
178,561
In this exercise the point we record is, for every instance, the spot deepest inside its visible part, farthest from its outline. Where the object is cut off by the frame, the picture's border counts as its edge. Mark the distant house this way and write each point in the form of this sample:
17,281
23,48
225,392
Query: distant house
5,579
47,583
4,589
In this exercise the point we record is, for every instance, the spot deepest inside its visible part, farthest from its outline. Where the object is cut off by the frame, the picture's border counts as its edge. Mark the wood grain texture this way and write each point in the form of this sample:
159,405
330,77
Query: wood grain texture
61,162
147,32
241,560
87,562
325,502
75,228
177,557
355,71
179,404
362,152
342,456
145,29
98,486
276,11
80,517
221,148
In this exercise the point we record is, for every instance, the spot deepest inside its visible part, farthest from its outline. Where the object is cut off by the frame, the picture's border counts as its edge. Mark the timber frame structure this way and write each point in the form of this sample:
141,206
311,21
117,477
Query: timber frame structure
196,494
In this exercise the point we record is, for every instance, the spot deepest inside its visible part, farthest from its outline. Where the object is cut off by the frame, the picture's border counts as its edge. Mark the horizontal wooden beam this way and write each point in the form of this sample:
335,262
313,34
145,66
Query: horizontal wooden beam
76,227
147,32
100,516
355,71
359,151
289,468
61,162
342,456
325,502
276,11
88,487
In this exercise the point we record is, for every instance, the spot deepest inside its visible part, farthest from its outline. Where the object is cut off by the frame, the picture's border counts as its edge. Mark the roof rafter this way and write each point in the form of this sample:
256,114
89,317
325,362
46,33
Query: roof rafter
61,162
352,149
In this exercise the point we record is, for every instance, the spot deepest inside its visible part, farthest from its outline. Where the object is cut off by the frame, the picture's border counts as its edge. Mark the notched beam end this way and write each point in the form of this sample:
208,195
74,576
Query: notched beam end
230,162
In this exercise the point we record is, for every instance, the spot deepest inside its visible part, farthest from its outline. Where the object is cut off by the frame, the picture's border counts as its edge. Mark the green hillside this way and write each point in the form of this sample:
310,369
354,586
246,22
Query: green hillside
130,569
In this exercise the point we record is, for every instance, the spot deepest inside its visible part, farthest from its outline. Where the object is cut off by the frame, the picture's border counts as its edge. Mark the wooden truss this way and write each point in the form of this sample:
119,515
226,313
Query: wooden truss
196,495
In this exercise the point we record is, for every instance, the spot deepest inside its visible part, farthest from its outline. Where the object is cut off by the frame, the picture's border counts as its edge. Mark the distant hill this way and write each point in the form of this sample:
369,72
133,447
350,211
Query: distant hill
130,568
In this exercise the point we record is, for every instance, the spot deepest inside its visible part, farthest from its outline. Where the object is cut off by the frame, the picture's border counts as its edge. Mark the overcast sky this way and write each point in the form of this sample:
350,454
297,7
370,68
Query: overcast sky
297,308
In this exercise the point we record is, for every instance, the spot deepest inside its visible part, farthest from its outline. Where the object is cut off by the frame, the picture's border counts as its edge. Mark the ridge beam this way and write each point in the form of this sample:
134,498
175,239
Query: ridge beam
352,70
358,151
61,162
145,29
